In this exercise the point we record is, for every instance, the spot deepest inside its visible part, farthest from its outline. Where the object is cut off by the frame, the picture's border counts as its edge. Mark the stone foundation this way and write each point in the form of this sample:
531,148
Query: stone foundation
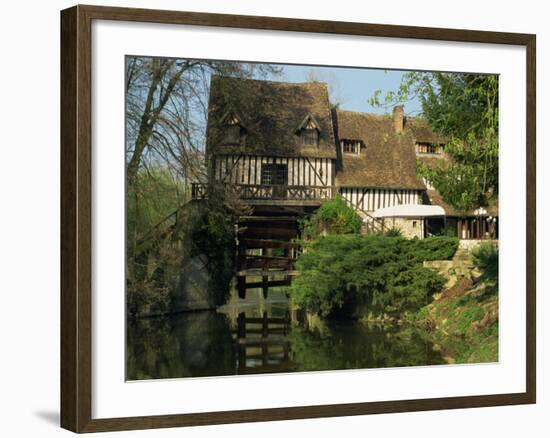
192,293
410,227
470,244
460,266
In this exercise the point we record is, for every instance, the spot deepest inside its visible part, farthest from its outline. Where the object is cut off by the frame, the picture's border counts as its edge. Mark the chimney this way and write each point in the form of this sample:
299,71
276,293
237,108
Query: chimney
398,118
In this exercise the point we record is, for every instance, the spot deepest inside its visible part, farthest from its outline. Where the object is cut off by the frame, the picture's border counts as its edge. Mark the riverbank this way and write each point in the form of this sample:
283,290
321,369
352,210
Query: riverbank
442,288
463,322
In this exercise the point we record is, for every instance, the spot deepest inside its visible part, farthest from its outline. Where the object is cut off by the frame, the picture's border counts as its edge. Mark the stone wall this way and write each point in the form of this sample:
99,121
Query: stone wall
192,292
409,227
460,266
470,244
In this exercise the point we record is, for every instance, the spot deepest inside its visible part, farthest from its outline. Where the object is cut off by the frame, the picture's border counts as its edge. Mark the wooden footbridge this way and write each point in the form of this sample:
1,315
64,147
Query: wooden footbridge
267,250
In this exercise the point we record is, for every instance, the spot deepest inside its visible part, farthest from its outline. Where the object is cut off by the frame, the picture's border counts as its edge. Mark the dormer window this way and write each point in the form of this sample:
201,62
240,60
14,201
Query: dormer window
309,131
425,148
232,134
351,146
232,130
310,137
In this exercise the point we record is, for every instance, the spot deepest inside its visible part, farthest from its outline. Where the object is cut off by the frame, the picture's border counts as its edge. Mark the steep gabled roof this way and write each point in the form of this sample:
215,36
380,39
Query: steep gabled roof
387,160
422,132
272,113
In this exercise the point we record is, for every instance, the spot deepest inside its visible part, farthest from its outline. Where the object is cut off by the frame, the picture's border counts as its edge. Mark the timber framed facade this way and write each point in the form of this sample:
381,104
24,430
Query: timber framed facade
283,144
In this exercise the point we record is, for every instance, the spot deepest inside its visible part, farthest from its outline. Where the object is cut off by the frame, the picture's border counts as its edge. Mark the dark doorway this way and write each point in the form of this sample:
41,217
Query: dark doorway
435,226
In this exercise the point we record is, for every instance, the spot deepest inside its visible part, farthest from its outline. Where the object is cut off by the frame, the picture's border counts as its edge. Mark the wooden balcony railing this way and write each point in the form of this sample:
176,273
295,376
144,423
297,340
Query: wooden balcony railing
271,192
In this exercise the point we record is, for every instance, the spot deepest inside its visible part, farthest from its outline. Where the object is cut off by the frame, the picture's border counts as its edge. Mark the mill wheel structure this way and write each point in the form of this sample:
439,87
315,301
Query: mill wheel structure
267,250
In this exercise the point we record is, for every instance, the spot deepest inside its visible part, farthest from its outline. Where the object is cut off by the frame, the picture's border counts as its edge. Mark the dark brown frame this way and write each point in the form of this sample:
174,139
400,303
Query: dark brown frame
76,174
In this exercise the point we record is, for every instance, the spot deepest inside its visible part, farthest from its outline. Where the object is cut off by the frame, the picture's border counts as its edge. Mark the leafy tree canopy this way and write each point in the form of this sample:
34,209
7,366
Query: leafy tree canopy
464,108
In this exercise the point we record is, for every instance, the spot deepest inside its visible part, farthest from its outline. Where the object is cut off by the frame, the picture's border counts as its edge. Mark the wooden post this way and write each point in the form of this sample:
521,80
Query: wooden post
265,334
265,326
241,326
285,351
241,287
265,286
286,326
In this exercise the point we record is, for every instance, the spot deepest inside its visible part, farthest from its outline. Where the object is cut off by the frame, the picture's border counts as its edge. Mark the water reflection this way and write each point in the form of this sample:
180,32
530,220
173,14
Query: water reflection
264,337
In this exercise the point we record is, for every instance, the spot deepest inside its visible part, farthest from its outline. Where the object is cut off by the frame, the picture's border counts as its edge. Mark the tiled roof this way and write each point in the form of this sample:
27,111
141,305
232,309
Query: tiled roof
387,158
271,112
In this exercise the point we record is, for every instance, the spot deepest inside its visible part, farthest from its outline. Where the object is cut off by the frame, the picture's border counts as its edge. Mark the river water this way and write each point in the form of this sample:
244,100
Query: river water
265,336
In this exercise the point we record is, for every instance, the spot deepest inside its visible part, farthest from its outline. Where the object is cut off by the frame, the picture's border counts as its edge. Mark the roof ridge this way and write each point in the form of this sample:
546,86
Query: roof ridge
270,81
363,113
383,116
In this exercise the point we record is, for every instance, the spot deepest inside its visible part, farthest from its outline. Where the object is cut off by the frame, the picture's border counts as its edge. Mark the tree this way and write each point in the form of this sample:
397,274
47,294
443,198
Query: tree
335,90
167,109
463,108
166,118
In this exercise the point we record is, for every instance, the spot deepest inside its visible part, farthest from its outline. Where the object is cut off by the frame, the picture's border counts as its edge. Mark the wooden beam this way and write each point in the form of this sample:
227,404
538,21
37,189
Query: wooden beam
272,283
259,233
267,218
268,243
265,273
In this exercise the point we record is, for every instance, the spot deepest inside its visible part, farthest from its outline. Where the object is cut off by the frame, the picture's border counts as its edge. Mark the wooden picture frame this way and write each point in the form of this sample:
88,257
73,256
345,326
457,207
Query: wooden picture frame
76,217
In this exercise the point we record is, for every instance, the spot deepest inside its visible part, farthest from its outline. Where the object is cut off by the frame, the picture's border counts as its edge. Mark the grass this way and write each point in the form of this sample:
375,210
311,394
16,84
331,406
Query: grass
464,327
468,317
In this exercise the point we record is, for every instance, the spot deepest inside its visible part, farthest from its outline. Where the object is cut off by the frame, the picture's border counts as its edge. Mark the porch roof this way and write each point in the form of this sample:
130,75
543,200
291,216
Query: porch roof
410,210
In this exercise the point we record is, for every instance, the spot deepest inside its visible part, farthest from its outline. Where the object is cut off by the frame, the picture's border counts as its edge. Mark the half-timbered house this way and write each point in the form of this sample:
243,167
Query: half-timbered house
273,142
282,146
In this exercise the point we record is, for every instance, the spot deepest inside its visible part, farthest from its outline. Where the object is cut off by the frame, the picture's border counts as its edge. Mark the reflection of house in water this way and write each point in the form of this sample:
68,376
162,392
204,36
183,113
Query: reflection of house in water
262,344
283,149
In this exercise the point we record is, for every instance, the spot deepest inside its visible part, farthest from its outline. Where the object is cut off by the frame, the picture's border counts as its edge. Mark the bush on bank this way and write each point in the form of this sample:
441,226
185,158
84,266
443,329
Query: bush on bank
334,216
348,275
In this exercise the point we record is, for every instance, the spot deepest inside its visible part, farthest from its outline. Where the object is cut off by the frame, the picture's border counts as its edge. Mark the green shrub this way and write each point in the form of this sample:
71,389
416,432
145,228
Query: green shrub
485,258
334,216
449,231
340,273
394,232
435,248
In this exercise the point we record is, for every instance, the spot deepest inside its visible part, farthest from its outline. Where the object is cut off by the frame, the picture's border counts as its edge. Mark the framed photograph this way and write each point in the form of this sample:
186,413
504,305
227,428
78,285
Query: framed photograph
269,218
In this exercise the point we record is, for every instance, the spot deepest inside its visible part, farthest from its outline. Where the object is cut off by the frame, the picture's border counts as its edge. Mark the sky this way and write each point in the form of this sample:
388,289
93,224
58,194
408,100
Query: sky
351,87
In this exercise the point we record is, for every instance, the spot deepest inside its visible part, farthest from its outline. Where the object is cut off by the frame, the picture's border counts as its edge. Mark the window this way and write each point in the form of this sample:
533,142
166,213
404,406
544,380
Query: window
231,129
309,131
274,174
351,146
310,136
233,134
267,174
429,148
